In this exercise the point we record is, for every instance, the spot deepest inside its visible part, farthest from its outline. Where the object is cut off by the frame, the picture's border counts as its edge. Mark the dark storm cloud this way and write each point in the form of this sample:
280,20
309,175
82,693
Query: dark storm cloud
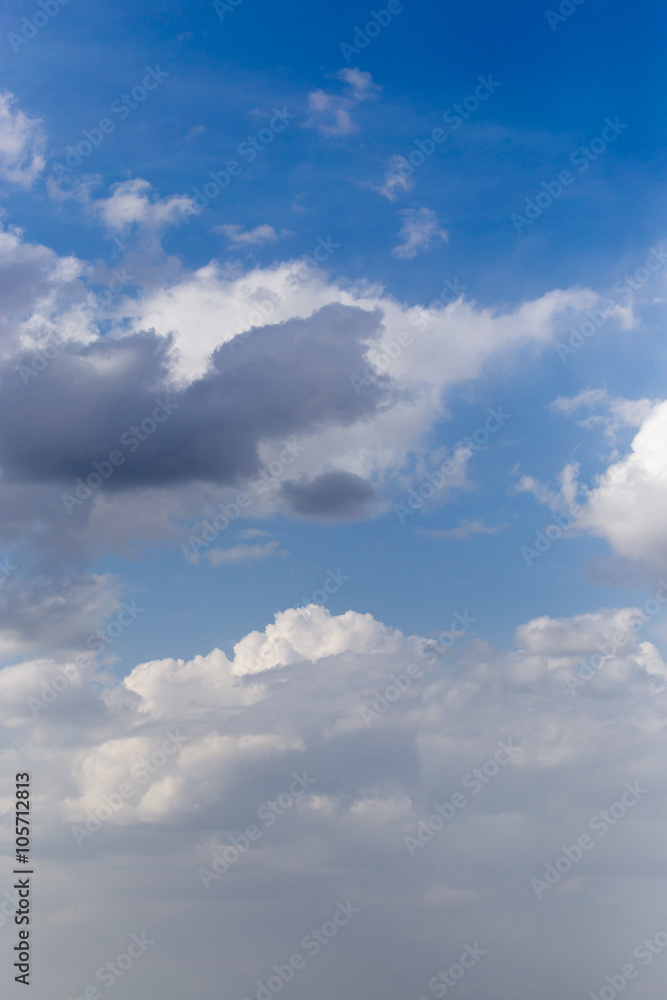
336,496
110,397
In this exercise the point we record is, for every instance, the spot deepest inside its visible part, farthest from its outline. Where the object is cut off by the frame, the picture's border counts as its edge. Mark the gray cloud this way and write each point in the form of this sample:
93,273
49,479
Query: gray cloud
334,496
375,782
88,403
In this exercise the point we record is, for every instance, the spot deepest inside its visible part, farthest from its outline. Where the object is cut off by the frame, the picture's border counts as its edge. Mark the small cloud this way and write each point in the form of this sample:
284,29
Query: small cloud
420,231
76,189
252,533
397,179
245,553
361,83
252,237
330,113
465,529
22,144
618,412
130,204
195,131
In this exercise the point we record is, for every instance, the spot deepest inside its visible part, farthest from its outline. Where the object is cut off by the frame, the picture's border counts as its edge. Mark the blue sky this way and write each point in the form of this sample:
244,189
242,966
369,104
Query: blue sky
437,259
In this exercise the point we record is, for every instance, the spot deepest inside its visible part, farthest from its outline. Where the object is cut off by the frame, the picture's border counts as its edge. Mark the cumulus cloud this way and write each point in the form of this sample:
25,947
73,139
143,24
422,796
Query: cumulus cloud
255,362
286,380
627,503
420,231
201,747
22,144
44,297
131,204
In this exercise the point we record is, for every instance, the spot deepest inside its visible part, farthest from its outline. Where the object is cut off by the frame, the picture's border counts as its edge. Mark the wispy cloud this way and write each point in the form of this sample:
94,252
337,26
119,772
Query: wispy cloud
420,231
330,114
22,144
245,553
251,237
397,179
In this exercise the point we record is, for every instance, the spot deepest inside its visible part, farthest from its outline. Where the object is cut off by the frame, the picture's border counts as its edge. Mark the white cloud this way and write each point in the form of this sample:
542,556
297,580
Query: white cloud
289,701
361,83
330,114
239,236
245,553
618,413
397,179
252,533
628,502
420,231
131,204
46,298
203,310
22,144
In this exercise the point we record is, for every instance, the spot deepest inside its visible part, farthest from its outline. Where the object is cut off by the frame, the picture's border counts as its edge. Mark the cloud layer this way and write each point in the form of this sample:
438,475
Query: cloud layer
168,769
